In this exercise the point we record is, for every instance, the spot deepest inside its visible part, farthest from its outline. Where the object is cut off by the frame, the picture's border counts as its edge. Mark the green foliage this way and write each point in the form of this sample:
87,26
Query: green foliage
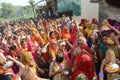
7,10
16,18
31,2
0,12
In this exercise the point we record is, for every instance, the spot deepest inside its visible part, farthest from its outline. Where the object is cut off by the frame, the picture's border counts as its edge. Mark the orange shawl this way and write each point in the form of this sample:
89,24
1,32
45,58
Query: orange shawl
52,52
65,34
38,38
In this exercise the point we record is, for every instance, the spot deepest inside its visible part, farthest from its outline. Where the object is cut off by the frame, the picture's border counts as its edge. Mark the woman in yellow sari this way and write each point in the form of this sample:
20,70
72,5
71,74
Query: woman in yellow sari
89,29
30,67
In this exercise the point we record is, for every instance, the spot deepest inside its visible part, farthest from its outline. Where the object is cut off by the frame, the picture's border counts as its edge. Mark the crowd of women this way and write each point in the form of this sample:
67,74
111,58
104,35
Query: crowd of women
60,49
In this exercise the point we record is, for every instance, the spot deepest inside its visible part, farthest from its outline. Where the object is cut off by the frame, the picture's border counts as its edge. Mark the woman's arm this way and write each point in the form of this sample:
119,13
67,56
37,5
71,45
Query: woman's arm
117,31
76,23
21,66
101,73
71,46
44,49
117,41
116,37
107,69
74,66
19,42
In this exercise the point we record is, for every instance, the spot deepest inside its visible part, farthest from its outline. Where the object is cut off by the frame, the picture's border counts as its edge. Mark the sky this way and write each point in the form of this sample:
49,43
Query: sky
19,2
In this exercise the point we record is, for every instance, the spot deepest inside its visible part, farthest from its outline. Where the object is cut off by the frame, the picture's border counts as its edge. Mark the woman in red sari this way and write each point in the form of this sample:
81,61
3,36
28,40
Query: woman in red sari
73,33
81,64
82,44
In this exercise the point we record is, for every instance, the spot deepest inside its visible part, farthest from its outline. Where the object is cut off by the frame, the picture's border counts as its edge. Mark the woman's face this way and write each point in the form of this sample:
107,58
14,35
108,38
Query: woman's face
72,25
104,38
39,51
112,34
93,40
104,22
10,41
62,46
6,48
24,45
79,41
110,56
41,32
52,35
53,45
29,60
95,26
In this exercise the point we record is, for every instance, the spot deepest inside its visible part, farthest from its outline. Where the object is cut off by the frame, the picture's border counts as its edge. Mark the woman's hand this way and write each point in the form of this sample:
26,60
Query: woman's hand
118,47
108,70
100,78
9,58
41,71
58,72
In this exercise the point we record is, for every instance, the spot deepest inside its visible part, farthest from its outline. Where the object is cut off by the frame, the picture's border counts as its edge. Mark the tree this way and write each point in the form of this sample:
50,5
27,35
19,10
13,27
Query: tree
31,2
7,10
0,12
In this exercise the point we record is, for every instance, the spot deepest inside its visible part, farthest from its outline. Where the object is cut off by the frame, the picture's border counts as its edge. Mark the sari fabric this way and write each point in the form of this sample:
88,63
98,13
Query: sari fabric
39,39
86,47
83,61
45,24
36,37
69,62
94,21
103,49
52,53
54,67
65,34
26,59
31,47
73,34
88,30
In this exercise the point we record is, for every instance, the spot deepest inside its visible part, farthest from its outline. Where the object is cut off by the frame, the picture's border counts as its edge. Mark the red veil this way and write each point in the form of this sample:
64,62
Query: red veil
85,65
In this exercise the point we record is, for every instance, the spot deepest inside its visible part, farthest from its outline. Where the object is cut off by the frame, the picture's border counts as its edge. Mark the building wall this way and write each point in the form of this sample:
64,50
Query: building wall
89,10
101,10
108,11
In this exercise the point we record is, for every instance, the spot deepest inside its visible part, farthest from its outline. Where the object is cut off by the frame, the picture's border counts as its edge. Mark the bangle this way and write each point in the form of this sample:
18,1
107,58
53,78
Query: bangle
101,75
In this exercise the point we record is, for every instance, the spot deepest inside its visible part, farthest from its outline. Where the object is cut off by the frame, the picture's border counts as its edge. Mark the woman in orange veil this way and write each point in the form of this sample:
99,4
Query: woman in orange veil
65,33
35,36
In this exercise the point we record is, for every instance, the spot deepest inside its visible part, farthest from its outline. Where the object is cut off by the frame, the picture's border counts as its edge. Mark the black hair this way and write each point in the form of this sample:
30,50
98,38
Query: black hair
22,42
59,58
13,47
10,38
51,33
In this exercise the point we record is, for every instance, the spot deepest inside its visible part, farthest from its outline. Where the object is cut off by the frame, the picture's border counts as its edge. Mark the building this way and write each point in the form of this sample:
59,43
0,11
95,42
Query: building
108,9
